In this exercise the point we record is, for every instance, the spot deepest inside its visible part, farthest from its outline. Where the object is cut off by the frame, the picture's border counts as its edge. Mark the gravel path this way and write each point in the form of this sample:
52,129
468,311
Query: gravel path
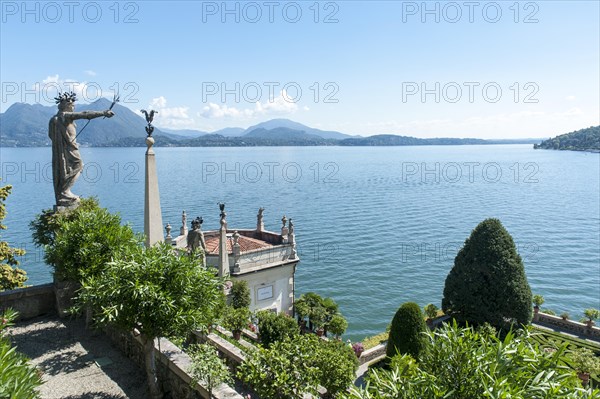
77,363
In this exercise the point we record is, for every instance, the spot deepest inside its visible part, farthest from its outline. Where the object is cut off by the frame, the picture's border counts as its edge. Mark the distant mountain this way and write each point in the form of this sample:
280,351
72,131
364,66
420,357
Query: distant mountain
184,133
26,125
392,140
230,132
580,140
282,133
288,124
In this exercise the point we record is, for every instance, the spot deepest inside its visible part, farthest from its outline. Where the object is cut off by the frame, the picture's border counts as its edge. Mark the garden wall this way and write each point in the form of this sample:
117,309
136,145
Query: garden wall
31,301
567,325
172,366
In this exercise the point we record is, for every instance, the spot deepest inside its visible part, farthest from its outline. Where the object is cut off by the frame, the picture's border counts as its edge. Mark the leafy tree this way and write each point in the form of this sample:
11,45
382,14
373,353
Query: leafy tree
488,282
240,294
463,363
157,291
290,368
275,327
284,371
431,311
235,320
592,314
79,242
18,379
320,311
538,300
312,303
10,277
337,365
302,309
407,332
337,325
207,368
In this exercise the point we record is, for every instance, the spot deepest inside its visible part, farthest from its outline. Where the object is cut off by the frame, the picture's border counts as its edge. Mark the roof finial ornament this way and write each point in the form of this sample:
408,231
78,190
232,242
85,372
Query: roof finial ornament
223,214
260,224
149,119
292,240
168,238
284,230
183,230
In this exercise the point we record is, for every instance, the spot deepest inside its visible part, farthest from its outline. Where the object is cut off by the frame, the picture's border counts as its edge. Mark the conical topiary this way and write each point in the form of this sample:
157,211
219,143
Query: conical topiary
406,333
488,282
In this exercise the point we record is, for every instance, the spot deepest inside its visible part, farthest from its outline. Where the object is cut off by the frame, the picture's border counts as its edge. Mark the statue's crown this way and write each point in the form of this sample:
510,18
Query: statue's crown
64,97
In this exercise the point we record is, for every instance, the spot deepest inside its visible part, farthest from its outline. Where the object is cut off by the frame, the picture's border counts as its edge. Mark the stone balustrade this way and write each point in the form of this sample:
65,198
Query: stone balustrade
569,326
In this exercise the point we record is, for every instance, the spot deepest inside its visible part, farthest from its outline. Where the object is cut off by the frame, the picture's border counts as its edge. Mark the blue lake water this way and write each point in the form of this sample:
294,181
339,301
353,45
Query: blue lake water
375,226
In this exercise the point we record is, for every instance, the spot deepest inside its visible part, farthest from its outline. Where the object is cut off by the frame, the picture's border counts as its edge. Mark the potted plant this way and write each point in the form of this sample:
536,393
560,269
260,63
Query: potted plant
564,315
302,311
591,314
431,312
337,325
236,320
358,348
318,319
538,300
585,363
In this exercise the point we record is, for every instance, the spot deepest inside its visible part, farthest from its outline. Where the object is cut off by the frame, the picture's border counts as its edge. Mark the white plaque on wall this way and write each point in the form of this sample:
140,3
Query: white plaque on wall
263,293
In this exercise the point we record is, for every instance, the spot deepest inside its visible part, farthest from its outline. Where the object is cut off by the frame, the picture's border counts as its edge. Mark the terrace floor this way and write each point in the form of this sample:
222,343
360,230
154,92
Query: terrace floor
77,363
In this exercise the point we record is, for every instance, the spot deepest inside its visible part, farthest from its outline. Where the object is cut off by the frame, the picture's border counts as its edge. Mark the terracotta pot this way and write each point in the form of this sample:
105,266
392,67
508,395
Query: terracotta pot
585,378
237,334
590,323
303,325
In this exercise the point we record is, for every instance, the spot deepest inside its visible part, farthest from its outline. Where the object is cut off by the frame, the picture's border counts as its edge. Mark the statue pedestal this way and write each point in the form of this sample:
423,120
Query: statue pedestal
62,208
153,227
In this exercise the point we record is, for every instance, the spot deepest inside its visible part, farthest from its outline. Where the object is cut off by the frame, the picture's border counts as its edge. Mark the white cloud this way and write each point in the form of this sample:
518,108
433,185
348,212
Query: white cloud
158,102
171,117
213,110
494,126
50,87
570,98
281,105
570,112
89,72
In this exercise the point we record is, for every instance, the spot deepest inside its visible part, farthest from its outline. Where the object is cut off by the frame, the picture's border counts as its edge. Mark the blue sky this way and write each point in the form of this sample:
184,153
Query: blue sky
426,69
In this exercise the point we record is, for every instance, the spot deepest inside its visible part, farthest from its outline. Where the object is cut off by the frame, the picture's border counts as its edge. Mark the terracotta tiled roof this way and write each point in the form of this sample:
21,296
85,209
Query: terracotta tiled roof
246,244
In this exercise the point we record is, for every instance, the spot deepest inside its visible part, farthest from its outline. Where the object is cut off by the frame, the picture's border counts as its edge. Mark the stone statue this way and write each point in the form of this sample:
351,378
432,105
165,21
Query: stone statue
223,215
260,225
66,160
195,238
183,230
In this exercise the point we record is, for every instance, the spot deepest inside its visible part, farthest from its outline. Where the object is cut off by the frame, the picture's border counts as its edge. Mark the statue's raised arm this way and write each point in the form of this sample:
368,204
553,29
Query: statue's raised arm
66,160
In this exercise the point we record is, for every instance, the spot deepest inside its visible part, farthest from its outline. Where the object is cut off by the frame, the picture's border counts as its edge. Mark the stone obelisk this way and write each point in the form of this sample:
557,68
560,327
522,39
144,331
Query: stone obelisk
223,267
153,227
